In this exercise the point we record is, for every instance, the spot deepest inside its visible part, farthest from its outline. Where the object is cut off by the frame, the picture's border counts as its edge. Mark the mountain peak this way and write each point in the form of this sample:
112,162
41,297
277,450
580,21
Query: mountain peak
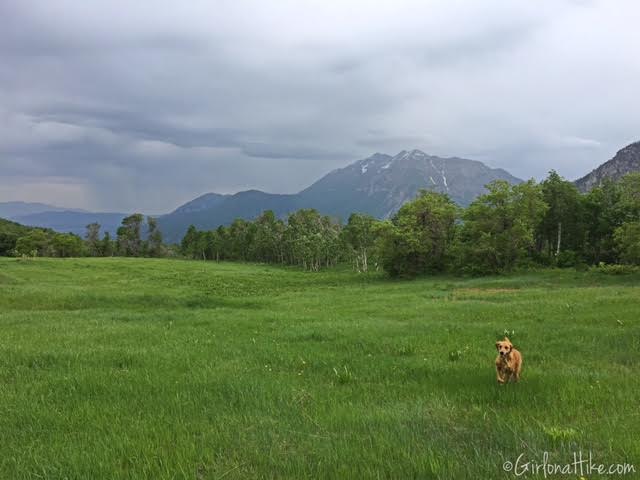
203,202
417,153
379,185
626,160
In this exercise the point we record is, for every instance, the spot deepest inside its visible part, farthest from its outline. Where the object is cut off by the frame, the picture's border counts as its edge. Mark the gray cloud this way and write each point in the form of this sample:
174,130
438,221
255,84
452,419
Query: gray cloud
146,110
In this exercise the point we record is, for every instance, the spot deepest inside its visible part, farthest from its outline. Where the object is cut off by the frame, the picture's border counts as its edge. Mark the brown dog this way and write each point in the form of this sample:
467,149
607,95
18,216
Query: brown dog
509,362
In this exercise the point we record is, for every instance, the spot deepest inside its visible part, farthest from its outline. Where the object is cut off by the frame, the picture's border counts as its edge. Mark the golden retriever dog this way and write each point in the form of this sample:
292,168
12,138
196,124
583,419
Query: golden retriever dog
509,361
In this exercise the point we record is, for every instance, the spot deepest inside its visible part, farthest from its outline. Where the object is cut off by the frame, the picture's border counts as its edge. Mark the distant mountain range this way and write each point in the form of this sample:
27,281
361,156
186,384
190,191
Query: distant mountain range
378,185
60,219
73,222
625,161
19,209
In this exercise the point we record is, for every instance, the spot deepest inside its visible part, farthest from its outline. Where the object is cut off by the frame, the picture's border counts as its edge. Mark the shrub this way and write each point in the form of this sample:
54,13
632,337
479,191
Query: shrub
615,269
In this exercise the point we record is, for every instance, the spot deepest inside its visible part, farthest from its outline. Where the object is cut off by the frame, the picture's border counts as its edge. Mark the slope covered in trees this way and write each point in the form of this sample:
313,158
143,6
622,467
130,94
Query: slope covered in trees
16,239
20,240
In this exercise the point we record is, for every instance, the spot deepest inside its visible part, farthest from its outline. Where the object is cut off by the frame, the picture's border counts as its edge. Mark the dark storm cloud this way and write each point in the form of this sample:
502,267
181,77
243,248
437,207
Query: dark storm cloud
144,110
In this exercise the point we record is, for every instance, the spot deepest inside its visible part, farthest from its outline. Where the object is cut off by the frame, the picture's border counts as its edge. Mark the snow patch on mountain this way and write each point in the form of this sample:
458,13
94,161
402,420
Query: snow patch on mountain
386,165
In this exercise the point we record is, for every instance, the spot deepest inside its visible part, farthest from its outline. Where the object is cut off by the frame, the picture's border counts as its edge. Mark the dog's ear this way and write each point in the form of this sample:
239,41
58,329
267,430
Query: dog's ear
497,345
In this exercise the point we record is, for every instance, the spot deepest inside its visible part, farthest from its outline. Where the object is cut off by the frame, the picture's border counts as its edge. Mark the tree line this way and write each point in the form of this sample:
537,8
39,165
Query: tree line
307,239
530,224
545,224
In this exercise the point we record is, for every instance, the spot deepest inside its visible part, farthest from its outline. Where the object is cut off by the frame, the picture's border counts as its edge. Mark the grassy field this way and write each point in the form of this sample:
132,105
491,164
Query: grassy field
131,368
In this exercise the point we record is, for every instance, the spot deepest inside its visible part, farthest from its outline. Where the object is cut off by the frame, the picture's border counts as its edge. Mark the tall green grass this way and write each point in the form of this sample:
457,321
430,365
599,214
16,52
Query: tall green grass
133,368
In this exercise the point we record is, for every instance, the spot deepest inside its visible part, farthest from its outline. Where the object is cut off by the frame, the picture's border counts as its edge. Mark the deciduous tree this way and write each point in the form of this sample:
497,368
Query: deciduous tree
419,237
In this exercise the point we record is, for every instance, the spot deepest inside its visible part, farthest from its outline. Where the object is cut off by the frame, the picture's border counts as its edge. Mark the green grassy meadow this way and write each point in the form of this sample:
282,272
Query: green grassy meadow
169,369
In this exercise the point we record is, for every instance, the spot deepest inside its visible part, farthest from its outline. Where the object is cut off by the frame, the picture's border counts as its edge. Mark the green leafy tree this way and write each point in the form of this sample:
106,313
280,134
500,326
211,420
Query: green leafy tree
627,235
209,240
331,241
602,215
630,196
189,244
498,227
359,238
241,233
627,240
418,239
34,243
155,248
107,248
302,238
562,226
311,240
129,235
267,239
222,244
92,237
7,243
67,245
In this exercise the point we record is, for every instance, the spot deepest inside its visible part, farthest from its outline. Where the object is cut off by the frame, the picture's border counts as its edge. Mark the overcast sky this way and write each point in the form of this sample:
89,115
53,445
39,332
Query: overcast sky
143,105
